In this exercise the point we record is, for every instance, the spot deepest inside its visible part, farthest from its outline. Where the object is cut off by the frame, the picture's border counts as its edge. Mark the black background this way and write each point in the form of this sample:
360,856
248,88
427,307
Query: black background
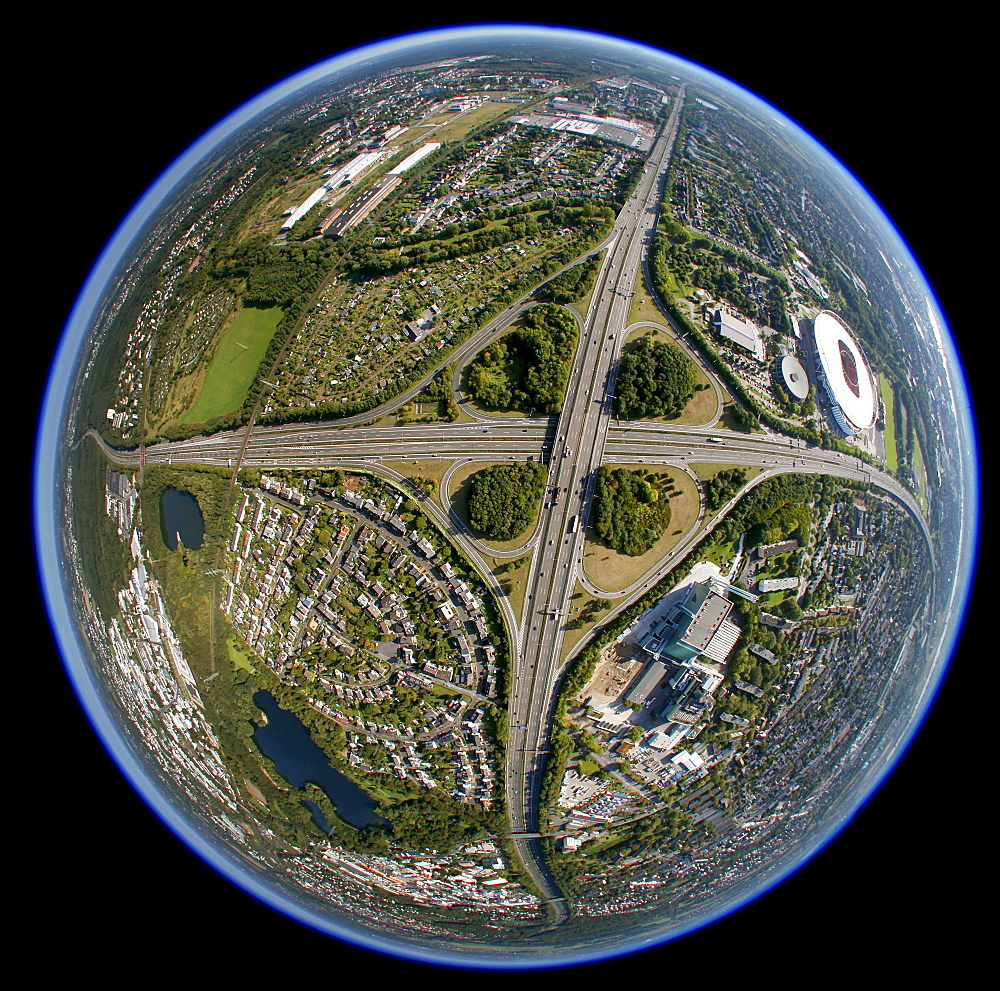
106,117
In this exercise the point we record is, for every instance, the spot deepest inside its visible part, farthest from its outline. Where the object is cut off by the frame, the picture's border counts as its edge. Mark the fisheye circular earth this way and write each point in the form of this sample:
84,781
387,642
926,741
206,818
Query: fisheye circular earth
428,528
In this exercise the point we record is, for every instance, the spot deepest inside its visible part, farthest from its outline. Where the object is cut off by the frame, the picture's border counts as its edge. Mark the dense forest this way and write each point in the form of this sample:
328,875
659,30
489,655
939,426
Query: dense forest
503,499
777,508
655,379
527,368
631,509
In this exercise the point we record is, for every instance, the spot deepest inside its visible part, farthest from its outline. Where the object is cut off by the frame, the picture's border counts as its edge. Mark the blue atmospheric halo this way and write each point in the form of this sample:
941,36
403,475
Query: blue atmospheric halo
57,422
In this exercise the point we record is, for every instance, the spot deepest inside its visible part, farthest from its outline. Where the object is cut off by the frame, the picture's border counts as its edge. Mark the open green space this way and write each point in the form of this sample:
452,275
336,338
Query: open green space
239,657
460,125
512,573
708,470
613,570
234,365
643,307
920,473
889,435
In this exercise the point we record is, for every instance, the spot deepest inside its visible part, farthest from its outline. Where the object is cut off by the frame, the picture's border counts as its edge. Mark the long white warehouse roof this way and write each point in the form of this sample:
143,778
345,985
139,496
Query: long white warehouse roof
412,160
848,380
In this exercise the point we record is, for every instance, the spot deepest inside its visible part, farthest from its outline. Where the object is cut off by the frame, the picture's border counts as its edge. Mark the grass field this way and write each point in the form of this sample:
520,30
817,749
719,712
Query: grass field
461,124
891,457
611,570
920,473
239,657
232,370
642,306
514,583
707,471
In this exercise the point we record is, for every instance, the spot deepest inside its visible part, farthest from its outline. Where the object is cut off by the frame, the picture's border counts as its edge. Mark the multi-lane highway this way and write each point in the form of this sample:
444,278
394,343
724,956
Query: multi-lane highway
573,445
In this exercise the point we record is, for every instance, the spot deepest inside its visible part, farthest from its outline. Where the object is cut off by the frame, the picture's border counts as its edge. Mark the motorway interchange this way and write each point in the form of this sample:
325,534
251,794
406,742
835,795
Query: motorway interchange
574,444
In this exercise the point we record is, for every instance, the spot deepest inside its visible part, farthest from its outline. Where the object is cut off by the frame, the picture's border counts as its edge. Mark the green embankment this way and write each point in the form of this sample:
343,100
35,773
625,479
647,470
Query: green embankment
891,458
232,370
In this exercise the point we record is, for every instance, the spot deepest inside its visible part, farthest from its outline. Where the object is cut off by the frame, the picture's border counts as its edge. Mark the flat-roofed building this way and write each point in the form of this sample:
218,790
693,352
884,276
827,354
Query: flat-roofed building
746,335
647,683
777,584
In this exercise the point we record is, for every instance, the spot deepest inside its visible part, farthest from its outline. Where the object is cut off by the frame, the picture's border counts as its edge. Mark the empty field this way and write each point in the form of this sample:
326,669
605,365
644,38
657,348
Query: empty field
891,458
232,369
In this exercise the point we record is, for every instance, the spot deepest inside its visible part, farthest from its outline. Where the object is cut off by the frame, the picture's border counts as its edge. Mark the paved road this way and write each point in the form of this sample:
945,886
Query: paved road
574,445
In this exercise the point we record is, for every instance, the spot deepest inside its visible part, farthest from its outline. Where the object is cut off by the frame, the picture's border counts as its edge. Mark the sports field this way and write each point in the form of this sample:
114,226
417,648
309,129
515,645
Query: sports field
235,363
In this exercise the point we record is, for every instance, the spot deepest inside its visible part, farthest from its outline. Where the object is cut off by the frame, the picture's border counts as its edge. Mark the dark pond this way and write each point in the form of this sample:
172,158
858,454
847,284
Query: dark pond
299,759
180,514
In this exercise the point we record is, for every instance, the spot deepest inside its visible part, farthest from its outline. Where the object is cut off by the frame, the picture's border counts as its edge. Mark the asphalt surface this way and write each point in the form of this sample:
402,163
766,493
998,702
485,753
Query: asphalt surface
574,445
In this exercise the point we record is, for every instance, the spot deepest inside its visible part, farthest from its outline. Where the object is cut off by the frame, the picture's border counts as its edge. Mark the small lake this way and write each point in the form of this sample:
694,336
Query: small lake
180,514
299,760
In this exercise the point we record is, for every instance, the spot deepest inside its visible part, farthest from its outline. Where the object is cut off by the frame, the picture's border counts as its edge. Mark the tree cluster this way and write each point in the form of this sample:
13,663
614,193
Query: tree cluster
631,510
777,508
503,499
574,283
719,490
527,368
655,379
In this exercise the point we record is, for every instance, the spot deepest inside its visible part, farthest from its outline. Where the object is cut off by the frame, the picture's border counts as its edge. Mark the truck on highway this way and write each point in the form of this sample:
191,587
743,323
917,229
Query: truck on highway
574,524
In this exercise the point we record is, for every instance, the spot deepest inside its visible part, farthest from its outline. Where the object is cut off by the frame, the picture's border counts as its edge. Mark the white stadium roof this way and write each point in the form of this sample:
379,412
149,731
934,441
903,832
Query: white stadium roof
796,379
845,373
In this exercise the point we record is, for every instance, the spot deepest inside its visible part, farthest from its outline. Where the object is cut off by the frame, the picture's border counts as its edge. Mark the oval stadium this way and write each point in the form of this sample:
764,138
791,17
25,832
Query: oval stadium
845,374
